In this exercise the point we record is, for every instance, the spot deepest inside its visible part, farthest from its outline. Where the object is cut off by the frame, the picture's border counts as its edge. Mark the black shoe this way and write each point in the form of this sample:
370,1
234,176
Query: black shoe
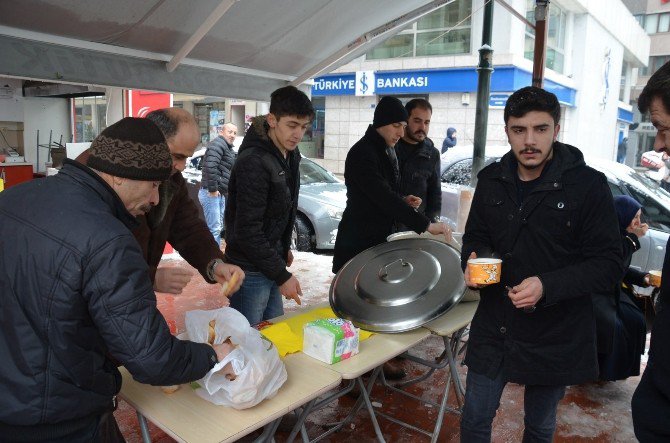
393,370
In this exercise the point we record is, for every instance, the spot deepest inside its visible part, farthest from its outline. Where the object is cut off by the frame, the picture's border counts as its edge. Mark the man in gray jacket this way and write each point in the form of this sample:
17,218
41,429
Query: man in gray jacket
216,166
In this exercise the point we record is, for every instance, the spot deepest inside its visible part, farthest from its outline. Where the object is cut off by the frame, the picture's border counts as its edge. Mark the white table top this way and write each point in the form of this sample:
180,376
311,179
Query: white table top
456,318
186,417
372,352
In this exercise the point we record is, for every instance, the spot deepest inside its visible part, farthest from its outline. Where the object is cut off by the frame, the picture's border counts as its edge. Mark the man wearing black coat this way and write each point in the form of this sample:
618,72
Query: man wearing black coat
216,166
375,204
262,204
651,401
419,160
551,220
75,293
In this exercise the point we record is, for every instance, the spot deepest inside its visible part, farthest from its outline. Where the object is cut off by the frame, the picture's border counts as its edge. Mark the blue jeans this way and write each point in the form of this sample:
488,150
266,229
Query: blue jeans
213,207
258,298
482,399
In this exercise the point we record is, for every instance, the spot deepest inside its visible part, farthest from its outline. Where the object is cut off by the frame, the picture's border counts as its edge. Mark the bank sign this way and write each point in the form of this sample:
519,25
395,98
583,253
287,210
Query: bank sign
367,83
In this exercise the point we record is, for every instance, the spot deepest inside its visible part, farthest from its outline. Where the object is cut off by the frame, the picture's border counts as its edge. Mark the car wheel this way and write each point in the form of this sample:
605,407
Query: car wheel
301,237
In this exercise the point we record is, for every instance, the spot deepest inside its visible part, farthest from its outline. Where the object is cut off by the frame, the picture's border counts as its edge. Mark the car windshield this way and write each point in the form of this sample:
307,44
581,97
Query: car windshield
311,172
460,172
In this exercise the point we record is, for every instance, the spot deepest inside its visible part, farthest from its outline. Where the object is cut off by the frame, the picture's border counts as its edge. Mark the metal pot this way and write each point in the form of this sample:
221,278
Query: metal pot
398,286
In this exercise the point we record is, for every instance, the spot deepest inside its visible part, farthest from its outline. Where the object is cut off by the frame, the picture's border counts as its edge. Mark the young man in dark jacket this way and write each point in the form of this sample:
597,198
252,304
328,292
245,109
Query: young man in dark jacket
551,220
375,203
419,160
651,401
262,204
216,166
76,296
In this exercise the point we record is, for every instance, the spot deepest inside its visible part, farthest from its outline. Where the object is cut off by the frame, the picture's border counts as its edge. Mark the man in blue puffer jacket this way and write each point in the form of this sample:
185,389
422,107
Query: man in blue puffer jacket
75,294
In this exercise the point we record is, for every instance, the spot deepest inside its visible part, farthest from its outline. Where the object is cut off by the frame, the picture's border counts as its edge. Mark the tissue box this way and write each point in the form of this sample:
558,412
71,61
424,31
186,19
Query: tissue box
330,340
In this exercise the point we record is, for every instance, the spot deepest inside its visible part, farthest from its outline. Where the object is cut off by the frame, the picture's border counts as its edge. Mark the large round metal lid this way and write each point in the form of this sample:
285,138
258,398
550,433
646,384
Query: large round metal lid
399,285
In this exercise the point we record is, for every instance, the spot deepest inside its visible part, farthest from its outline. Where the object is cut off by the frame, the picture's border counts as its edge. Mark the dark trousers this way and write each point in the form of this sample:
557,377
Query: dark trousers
482,399
651,411
101,429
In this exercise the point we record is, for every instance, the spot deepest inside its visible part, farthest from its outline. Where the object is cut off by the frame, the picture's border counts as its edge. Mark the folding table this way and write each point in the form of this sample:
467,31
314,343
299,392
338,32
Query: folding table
451,327
186,417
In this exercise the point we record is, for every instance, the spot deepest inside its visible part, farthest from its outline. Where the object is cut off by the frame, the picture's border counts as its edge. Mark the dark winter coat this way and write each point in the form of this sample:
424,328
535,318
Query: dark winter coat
651,401
74,291
449,141
216,166
606,305
374,201
566,233
176,220
262,204
420,175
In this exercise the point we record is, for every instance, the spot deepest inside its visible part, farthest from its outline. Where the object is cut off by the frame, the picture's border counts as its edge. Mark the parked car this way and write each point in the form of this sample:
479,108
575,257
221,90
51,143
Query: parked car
320,204
622,180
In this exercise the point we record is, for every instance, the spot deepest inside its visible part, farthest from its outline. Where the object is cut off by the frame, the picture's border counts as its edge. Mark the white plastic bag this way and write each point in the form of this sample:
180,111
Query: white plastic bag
259,371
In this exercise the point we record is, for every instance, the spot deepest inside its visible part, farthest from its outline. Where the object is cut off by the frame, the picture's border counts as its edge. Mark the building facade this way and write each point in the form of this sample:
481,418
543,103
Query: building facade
654,18
592,47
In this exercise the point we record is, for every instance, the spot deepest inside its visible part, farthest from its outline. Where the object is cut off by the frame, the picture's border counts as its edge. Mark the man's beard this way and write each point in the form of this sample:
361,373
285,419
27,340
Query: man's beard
418,140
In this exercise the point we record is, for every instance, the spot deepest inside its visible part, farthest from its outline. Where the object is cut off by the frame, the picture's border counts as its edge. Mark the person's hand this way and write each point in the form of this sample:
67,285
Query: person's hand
214,194
527,293
223,273
291,289
466,275
413,201
223,349
440,229
647,279
171,279
639,229
289,261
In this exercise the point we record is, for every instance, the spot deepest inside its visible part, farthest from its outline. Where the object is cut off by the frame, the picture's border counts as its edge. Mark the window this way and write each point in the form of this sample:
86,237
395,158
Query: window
622,86
664,22
655,62
556,23
442,32
89,117
651,23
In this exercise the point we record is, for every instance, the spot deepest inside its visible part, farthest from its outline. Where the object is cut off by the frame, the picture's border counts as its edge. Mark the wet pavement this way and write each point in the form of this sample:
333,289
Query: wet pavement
597,412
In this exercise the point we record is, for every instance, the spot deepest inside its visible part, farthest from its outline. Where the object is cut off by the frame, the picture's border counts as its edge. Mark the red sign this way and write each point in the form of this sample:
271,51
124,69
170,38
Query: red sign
665,1
140,103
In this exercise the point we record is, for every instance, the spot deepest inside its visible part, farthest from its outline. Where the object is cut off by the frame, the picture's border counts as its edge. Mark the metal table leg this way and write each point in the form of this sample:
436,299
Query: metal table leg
144,428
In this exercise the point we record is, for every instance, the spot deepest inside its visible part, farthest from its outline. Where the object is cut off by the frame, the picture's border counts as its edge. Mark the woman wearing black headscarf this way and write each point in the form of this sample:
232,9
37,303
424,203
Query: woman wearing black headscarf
620,322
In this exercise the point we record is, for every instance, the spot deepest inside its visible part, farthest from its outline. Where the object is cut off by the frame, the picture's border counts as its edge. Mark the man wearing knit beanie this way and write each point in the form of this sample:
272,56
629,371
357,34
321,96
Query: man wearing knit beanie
75,291
375,204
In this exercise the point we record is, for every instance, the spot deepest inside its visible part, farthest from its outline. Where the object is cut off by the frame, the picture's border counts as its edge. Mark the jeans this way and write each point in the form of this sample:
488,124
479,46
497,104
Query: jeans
213,207
482,399
258,298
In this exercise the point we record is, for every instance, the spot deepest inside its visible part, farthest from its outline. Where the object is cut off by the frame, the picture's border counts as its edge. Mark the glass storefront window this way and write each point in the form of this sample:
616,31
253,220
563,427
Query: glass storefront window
442,32
556,22
89,117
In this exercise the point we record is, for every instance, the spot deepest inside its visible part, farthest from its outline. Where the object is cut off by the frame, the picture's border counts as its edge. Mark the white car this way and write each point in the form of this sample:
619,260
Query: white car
320,204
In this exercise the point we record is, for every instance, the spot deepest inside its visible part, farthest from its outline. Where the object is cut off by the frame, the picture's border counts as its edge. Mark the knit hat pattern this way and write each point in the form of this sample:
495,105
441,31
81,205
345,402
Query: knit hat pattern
389,110
626,208
132,148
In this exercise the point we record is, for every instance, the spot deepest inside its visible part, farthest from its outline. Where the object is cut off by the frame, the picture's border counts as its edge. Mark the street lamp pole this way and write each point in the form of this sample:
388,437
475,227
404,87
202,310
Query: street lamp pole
484,70
540,50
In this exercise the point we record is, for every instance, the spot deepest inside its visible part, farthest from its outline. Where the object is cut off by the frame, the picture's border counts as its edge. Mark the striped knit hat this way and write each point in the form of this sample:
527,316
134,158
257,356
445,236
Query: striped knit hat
131,148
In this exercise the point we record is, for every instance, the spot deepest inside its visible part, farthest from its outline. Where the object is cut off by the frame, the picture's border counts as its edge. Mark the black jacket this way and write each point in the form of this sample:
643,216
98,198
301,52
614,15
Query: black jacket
216,166
74,289
374,202
262,203
651,401
565,232
420,175
606,306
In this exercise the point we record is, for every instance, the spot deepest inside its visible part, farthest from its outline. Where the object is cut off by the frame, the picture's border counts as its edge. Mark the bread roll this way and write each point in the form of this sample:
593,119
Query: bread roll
170,389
